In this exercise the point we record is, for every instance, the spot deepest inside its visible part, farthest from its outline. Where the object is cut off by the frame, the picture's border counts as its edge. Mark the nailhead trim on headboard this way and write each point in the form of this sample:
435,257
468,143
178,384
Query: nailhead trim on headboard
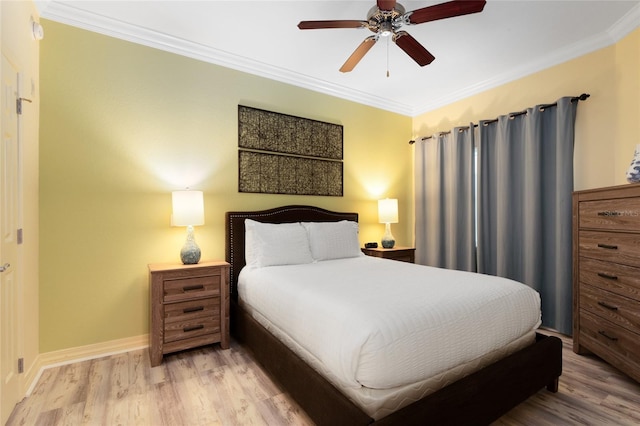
234,227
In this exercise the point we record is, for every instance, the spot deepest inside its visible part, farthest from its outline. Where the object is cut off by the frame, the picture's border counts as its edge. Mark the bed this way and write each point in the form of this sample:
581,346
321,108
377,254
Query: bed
476,397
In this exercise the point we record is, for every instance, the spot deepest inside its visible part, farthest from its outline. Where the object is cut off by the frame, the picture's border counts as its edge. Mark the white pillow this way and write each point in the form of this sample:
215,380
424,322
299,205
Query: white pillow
270,244
333,240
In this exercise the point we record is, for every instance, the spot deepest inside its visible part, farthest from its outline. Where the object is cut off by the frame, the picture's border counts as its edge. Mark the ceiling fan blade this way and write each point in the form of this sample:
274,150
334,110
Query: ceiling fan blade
445,10
358,54
386,4
412,48
316,25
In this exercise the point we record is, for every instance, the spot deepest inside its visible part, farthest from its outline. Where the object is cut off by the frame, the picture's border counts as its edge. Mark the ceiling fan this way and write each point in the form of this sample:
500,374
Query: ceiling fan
385,20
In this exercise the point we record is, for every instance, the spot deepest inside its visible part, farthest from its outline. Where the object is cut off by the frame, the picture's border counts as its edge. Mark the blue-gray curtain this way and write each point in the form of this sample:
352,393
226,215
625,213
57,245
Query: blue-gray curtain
445,185
525,183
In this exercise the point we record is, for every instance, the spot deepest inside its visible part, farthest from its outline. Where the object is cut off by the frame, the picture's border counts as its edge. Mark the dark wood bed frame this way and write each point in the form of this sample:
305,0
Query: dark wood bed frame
477,399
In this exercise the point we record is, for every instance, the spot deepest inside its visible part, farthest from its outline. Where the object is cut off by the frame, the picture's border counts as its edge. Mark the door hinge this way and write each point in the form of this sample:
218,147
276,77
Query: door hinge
19,236
20,365
19,104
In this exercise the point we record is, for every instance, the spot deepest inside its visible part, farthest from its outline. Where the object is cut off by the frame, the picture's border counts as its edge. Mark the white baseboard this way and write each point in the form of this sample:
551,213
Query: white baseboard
80,353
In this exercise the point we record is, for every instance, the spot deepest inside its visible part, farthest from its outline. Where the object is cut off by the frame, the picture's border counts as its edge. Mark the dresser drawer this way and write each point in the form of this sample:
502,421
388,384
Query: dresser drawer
611,214
615,247
619,310
612,343
183,311
194,287
190,328
619,279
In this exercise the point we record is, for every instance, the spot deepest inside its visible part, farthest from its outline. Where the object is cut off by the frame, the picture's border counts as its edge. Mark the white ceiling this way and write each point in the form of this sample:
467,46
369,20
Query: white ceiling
476,52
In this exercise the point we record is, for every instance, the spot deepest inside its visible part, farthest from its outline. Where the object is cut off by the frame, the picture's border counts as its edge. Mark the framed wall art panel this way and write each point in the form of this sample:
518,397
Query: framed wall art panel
284,154
266,173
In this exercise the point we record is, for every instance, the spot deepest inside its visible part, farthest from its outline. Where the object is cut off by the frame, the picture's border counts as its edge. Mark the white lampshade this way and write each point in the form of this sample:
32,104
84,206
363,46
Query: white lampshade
388,210
188,208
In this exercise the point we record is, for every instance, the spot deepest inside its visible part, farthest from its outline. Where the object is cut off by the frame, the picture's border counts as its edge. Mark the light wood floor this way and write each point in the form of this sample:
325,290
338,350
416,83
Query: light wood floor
210,386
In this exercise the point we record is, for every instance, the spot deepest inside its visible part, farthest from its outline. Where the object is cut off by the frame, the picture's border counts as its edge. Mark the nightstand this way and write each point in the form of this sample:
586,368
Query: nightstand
189,307
403,254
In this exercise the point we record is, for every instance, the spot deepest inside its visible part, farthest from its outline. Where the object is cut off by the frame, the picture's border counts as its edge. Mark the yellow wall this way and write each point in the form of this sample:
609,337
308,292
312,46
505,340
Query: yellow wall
122,126
607,124
627,105
22,50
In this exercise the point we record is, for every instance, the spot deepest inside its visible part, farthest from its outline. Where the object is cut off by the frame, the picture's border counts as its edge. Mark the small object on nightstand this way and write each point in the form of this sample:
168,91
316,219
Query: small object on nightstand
371,245
189,307
403,254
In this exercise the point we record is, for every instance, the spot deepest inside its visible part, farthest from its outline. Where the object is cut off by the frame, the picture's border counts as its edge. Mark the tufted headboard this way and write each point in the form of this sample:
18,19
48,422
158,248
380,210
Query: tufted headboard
234,230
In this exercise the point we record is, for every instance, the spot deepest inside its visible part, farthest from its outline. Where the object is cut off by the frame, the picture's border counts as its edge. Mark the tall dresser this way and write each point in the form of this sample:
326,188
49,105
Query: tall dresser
606,275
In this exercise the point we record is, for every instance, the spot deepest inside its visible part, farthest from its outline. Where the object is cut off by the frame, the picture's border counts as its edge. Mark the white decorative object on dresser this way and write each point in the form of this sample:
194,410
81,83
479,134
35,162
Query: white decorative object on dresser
606,275
633,172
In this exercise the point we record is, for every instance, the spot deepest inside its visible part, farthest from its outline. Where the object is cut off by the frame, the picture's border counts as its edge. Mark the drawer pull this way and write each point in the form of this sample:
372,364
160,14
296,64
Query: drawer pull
609,213
607,276
604,333
193,328
608,246
193,287
194,309
608,306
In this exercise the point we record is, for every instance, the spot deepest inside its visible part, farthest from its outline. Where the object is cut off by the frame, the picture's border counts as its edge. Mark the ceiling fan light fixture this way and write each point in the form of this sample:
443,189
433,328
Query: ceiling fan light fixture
386,29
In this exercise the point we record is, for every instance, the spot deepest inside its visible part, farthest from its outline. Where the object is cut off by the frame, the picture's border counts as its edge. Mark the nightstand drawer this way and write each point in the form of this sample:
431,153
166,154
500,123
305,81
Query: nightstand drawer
189,288
187,329
402,254
182,311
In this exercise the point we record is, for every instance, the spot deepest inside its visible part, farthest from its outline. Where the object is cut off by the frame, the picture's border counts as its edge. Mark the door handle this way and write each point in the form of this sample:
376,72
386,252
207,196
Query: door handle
4,267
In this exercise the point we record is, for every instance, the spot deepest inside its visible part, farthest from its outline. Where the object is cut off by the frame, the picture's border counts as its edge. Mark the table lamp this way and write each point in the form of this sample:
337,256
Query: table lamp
188,210
388,214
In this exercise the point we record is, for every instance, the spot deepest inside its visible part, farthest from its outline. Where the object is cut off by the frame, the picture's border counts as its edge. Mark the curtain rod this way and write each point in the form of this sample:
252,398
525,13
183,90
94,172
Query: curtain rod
582,97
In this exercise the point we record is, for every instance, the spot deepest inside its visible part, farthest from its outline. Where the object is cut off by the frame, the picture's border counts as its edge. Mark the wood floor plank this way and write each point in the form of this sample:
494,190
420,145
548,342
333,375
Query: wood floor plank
282,410
191,390
70,386
239,409
211,386
28,413
98,390
166,402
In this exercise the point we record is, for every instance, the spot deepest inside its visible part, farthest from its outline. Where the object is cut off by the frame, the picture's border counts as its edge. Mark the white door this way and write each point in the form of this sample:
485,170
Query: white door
9,280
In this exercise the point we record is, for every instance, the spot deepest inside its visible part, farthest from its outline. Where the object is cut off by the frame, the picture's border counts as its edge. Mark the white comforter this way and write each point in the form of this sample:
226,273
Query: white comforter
380,324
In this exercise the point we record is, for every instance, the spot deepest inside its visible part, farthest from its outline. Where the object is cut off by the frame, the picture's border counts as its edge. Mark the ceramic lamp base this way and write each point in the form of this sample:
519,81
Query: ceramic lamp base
388,240
190,253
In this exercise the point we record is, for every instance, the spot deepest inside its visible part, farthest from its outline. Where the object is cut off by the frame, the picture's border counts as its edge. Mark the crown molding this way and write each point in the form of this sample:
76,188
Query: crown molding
67,14
553,58
625,25
615,33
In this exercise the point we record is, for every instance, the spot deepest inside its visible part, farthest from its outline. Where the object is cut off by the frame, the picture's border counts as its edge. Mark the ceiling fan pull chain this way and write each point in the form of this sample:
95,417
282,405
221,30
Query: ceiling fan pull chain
388,56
